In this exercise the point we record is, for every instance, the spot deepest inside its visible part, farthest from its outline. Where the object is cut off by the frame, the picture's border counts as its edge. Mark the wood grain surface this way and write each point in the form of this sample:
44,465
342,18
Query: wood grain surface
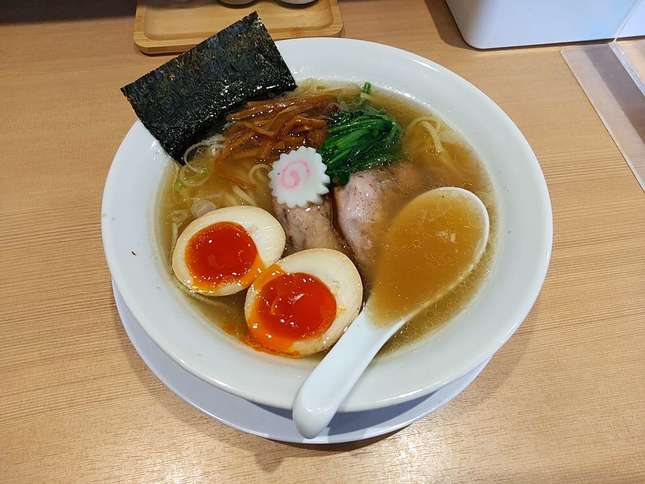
561,401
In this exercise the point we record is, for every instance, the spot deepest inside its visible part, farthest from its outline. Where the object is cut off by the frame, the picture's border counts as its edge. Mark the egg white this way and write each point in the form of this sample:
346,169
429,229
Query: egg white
266,232
340,275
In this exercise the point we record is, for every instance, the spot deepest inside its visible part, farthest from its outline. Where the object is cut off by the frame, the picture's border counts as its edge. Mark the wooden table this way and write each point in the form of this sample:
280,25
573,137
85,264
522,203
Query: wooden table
562,400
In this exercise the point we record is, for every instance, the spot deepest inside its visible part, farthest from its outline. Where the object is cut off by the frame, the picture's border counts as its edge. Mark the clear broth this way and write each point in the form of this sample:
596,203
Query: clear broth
463,171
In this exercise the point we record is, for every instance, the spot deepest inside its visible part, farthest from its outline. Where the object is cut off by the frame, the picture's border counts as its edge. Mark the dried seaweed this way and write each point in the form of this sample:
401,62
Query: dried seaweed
182,100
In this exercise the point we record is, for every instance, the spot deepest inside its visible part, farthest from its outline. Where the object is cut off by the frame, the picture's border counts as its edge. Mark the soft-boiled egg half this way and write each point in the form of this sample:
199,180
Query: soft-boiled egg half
223,251
302,304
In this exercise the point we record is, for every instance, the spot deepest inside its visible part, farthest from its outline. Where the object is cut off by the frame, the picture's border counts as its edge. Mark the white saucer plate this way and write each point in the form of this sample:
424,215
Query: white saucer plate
274,423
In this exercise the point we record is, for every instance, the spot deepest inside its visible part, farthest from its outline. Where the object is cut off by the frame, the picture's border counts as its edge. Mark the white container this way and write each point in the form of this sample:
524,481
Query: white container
488,24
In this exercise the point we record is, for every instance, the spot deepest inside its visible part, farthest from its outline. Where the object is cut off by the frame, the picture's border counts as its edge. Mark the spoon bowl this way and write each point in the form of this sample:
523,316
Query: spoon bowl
446,231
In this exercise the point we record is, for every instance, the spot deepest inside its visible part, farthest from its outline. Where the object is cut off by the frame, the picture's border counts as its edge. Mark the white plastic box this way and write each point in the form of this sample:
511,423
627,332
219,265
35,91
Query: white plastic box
488,24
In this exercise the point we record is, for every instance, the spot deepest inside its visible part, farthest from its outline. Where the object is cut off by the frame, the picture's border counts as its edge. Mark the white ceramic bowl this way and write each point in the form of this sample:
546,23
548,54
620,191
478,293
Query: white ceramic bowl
501,304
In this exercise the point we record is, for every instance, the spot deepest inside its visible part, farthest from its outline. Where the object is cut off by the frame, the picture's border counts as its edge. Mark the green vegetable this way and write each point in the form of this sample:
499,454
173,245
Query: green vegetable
359,137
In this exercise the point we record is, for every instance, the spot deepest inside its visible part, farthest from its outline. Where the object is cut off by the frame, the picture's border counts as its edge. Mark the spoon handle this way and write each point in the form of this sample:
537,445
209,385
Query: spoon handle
331,381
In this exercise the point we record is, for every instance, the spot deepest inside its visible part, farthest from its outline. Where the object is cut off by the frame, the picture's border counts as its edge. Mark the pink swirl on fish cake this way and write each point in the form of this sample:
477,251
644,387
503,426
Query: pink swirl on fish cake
291,176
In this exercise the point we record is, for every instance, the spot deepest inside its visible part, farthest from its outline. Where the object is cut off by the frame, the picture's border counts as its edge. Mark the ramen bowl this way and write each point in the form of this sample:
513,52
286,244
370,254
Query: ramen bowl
474,334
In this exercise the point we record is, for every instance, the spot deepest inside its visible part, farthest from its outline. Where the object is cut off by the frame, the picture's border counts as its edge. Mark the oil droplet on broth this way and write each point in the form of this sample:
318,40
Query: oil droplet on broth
429,247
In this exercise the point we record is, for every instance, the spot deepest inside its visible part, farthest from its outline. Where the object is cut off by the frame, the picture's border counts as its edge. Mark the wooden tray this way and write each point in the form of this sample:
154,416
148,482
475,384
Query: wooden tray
163,27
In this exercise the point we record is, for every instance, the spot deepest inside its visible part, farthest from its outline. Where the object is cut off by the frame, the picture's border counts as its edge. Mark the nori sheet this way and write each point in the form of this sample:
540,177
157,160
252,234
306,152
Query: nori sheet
182,100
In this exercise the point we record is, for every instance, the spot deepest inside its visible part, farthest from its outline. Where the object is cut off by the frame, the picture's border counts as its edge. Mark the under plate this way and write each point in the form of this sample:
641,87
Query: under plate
275,423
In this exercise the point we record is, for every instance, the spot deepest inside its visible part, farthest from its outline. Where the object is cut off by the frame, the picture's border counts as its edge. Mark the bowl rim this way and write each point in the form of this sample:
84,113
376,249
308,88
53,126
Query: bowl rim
486,350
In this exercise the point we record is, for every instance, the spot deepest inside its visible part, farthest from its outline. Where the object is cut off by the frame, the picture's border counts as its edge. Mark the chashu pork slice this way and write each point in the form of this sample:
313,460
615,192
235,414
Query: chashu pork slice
367,203
310,227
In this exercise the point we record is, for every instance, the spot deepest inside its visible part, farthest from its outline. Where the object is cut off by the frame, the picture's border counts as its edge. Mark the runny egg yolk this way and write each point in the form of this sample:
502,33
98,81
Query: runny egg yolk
290,307
222,253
